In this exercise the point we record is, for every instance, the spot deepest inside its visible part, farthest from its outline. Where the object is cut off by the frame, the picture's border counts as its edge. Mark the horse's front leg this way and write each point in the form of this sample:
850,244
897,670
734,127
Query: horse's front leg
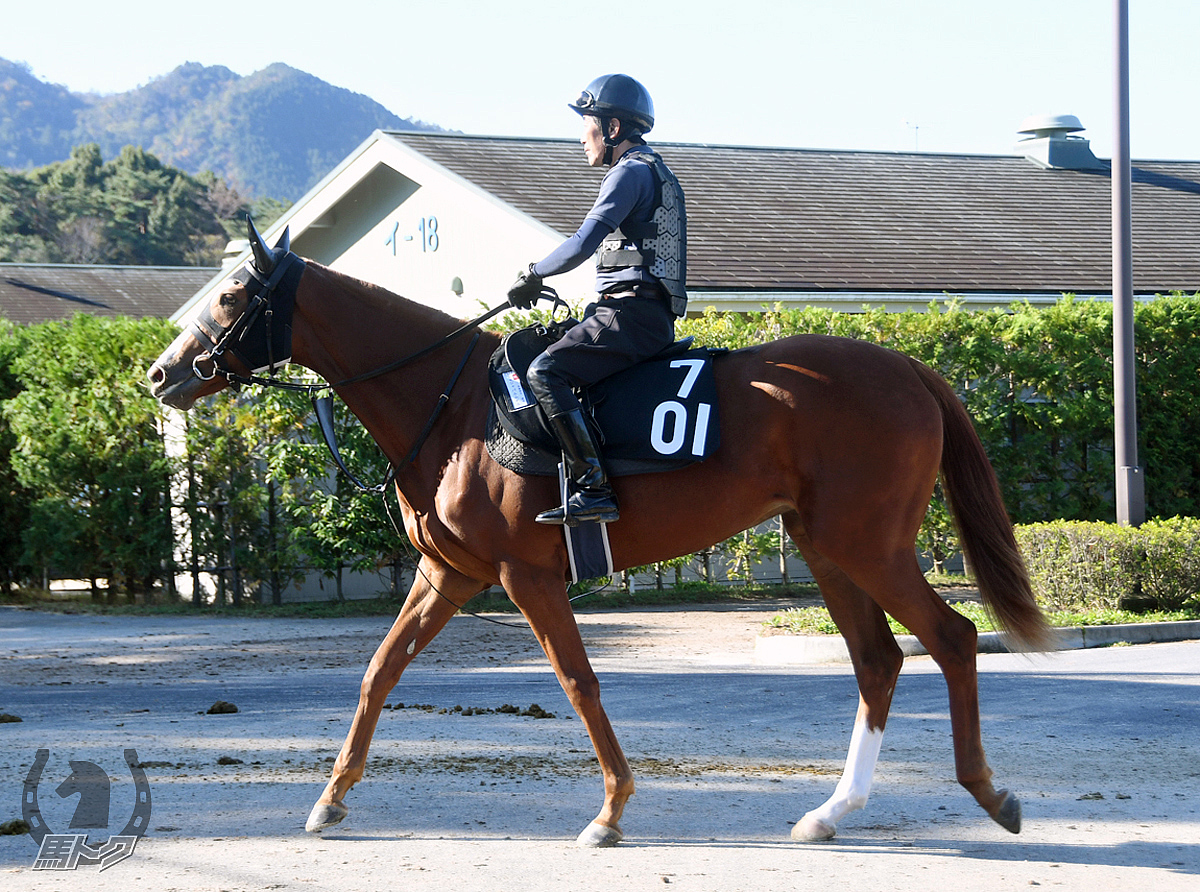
544,603
431,601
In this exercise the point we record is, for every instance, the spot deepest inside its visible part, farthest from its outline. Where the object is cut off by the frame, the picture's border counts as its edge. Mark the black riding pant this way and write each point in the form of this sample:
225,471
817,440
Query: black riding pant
616,332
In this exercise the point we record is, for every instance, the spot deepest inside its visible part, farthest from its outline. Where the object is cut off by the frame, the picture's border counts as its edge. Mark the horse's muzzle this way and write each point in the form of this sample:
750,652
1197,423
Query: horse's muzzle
173,383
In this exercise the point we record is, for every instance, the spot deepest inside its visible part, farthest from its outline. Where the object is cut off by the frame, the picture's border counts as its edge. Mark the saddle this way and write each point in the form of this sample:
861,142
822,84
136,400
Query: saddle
659,415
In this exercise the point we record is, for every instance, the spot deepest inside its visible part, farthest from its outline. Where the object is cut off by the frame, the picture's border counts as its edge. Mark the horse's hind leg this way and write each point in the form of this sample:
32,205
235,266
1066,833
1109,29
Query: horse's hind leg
431,602
544,603
900,588
877,661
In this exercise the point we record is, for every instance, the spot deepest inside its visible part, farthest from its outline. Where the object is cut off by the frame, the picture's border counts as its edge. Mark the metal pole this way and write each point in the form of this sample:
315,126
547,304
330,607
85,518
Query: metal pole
1130,483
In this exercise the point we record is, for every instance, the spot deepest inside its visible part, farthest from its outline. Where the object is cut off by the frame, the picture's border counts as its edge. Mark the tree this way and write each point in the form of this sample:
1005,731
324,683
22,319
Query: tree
15,499
331,522
235,521
22,234
71,200
155,210
89,449
131,210
283,511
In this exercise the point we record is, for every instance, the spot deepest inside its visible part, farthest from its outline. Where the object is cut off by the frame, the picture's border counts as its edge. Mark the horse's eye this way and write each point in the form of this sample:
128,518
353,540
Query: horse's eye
228,300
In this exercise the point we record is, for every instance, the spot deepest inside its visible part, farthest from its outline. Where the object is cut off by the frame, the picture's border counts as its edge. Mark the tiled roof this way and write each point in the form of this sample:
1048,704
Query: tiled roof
816,220
31,292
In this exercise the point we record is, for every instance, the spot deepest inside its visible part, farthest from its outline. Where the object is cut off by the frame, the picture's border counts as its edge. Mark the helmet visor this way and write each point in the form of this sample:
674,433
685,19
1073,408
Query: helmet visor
586,103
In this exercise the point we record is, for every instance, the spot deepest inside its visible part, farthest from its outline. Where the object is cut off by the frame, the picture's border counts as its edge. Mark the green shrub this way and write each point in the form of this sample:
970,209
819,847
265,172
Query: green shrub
1077,565
1170,565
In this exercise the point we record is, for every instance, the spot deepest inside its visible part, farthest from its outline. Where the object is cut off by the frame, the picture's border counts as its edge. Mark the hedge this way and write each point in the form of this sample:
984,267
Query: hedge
1077,565
1038,384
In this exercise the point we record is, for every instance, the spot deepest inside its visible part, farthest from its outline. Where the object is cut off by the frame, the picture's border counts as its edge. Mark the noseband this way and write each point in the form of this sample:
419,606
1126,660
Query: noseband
261,337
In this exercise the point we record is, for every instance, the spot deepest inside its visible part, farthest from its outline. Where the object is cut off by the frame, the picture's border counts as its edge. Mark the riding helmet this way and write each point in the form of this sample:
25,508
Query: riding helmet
617,96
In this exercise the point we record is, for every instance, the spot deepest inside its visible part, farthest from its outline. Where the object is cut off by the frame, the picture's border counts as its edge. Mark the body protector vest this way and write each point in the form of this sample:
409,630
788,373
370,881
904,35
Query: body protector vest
662,239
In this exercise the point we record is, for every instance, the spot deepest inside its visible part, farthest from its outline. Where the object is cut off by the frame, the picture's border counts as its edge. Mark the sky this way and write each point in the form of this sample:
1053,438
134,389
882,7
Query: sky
924,75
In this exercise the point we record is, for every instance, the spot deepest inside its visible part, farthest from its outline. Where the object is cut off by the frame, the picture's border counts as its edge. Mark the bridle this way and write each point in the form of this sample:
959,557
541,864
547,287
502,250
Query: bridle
261,336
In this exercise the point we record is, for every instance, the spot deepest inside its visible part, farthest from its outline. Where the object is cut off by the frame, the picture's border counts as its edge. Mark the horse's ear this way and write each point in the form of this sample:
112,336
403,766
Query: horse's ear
285,240
264,260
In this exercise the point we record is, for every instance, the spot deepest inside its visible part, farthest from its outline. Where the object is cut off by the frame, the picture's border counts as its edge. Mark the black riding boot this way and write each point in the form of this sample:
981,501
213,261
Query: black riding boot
591,497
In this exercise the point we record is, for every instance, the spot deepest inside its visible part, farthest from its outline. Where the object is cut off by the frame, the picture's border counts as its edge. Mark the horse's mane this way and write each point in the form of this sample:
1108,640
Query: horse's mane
413,311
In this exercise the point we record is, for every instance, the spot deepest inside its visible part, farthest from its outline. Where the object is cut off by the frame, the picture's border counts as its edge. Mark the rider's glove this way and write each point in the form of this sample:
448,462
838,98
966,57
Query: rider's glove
526,290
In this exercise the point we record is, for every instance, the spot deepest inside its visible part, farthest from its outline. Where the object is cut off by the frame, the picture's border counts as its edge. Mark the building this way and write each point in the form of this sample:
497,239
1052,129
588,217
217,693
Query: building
450,220
40,292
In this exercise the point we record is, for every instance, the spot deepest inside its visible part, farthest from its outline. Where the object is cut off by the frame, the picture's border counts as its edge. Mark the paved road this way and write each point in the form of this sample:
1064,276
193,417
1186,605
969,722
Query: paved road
1101,745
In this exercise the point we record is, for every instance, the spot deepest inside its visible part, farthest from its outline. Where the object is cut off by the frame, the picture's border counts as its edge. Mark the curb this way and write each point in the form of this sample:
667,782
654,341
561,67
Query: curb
796,649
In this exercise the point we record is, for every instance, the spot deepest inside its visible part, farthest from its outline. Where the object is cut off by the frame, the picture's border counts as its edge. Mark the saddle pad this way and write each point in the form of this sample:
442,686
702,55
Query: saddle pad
522,458
656,416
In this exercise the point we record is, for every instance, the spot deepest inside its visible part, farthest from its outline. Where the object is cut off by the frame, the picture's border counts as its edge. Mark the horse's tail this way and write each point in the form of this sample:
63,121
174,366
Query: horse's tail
984,529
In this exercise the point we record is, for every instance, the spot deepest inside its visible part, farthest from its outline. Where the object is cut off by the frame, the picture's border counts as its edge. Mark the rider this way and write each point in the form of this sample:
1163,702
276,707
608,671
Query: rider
639,226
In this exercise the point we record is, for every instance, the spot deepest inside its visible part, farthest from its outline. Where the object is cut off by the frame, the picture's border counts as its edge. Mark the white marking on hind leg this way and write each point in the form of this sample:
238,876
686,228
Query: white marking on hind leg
852,790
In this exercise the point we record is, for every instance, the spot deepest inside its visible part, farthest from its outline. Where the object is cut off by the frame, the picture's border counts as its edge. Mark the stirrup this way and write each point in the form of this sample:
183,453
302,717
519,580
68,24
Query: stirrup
603,509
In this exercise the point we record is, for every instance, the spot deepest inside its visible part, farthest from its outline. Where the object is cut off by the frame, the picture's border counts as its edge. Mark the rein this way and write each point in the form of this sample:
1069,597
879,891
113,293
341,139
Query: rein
323,407
235,378
322,399
272,293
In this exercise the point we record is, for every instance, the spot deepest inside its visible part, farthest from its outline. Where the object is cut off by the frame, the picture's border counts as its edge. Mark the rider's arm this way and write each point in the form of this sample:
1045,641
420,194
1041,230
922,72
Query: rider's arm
621,190
575,250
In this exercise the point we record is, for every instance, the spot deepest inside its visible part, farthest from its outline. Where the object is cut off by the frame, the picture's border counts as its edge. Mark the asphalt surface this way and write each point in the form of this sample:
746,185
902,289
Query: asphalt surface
1100,744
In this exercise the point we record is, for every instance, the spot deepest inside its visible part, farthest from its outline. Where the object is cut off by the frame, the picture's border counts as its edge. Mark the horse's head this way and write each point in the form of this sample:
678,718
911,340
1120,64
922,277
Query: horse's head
245,329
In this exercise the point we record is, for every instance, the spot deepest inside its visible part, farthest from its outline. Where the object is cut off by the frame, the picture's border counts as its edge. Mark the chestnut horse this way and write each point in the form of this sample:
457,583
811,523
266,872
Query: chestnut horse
843,438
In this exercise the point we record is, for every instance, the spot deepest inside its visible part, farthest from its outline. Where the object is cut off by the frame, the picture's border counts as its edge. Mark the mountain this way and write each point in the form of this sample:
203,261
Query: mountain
36,118
273,133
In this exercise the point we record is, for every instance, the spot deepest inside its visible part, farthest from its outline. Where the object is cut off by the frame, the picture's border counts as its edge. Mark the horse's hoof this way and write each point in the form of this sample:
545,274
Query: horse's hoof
599,836
1008,815
325,814
810,829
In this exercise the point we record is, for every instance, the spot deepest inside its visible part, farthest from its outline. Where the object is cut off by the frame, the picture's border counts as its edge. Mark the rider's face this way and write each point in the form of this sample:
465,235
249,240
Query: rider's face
593,141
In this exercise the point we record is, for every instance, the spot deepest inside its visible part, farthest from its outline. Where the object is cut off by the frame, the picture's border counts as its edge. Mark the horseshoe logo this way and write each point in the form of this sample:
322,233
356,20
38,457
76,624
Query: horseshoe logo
29,801
32,813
